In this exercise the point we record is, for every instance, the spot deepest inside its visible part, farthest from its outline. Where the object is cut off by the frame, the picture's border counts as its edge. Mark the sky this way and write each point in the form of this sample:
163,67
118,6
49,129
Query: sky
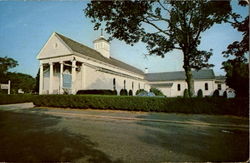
25,26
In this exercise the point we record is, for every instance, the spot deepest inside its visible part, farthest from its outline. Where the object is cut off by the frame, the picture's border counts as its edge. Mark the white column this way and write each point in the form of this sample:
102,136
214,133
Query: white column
83,76
73,76
51,78
8,87
61,78
41,80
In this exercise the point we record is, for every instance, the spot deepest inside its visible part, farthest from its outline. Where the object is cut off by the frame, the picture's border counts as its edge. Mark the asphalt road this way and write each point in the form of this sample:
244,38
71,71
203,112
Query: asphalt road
42,134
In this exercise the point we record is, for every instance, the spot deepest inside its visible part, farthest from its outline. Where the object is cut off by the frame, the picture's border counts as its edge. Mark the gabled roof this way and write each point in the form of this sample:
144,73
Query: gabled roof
179,75
89,52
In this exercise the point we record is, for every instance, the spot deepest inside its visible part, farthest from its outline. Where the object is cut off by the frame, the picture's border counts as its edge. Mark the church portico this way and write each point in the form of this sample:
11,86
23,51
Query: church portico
58,76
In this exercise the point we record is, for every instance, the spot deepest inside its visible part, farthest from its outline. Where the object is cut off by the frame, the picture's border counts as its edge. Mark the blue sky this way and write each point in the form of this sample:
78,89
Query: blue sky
26,26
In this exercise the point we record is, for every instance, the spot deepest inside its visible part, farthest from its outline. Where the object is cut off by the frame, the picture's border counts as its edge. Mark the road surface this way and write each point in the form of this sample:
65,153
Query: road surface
51,134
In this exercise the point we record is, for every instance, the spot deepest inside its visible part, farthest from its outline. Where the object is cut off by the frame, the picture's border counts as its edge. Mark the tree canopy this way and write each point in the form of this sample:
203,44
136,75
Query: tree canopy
18,80
237,67
162,25
21,81
6,64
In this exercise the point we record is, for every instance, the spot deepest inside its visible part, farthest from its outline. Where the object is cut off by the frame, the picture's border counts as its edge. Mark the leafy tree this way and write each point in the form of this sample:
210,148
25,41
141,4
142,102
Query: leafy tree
237,71
237,77
156,91
21,81
139,91
36,88
6,64
163,26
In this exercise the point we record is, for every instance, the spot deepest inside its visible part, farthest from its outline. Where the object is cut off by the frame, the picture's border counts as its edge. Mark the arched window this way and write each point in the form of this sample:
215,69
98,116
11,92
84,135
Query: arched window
206,86
139,85
114,85
132,85
124,84
178,87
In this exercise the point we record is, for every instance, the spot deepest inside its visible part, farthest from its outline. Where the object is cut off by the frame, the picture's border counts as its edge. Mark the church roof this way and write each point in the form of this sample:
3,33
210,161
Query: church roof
89,52
180,75
220,77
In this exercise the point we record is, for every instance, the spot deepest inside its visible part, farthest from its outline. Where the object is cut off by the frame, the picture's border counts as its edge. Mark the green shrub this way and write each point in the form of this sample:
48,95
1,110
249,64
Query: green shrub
216,93
139,91
133,103
185,93
200,93
156,91
12,99
123,92
130,93
97,92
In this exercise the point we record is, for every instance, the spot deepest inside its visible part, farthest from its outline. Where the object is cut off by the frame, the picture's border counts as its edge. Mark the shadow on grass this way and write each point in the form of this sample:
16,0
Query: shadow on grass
194,143
29,138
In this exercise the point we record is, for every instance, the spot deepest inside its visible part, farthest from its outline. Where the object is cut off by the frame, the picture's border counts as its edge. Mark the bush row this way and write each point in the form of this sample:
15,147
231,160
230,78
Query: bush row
97,91
177,105
11,99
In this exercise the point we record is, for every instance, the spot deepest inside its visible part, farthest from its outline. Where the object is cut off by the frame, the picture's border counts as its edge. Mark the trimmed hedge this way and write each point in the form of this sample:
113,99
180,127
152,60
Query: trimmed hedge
97,92
176,105
12,99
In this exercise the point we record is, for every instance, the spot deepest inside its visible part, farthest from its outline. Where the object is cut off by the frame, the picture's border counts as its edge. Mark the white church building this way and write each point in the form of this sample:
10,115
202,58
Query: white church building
67,66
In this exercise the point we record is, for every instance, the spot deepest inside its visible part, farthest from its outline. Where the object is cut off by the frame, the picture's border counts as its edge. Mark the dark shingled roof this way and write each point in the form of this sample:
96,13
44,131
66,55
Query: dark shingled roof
179,75
220,77
89,52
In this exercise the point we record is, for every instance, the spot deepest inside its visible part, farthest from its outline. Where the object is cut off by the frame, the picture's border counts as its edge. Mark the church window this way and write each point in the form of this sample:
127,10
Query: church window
219,86
132,85
178,87
206,86
114,85
139,85
124,84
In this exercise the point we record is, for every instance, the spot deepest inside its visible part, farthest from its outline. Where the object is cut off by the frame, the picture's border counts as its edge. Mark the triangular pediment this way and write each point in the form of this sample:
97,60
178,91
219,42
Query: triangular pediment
54,47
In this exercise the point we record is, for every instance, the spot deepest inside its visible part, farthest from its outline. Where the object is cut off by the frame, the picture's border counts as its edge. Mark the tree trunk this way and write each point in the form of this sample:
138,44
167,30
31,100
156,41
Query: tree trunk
190,81
188,72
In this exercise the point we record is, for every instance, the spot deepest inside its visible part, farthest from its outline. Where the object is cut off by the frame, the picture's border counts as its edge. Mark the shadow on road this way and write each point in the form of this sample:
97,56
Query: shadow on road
196,143
30,138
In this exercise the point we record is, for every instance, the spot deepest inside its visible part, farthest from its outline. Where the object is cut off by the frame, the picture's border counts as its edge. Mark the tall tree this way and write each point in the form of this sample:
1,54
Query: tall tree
6,64
237,67
162,25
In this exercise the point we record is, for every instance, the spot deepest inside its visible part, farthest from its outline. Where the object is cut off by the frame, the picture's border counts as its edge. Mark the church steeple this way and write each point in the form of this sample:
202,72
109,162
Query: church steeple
101,32
102,45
